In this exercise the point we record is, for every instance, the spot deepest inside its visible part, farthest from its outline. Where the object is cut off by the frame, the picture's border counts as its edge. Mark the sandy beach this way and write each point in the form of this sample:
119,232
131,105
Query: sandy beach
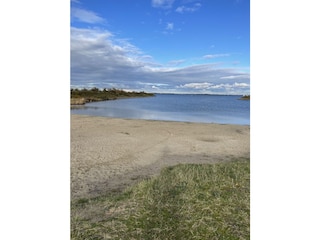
110,154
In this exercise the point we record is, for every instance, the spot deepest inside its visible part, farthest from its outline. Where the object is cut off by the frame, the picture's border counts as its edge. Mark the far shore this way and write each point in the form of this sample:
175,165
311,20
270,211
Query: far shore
82,96
110,154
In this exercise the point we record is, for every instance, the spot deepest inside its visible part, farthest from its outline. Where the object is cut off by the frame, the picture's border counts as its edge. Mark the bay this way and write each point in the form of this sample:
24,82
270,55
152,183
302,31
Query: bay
222,109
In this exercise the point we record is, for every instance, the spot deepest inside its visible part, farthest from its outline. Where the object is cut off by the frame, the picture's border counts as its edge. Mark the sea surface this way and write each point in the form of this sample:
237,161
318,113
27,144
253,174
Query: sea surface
223,109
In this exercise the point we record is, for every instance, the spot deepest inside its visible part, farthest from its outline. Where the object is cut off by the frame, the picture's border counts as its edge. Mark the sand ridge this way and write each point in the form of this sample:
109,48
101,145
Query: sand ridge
109,154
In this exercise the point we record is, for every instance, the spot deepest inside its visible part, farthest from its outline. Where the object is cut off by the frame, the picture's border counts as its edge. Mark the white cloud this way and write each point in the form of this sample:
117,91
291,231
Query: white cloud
99,59
86,16
176,62
170,26
226,88
162,3
196,85
184,9
244,85
189,1
233,77
209,56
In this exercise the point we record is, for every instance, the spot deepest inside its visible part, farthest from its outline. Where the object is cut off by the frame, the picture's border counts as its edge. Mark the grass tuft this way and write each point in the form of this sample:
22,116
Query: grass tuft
187,201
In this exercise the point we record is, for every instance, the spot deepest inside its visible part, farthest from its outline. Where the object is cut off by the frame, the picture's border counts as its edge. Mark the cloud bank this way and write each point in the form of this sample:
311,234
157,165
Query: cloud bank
99,59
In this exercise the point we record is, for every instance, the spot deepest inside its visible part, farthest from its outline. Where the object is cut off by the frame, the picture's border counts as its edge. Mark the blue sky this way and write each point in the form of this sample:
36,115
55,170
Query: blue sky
165,46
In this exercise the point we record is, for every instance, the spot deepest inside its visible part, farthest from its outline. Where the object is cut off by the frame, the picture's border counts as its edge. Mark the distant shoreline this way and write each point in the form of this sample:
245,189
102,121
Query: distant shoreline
83,96
245,97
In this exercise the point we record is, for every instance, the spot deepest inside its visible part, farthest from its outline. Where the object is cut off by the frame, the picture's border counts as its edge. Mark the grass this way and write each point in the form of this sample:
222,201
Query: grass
187,201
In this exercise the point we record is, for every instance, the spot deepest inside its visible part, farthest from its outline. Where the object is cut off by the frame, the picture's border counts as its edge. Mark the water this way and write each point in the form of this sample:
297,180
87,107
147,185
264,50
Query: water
174,107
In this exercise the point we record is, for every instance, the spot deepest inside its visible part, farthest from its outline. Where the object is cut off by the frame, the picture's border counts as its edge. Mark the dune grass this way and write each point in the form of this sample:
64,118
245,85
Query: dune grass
187,201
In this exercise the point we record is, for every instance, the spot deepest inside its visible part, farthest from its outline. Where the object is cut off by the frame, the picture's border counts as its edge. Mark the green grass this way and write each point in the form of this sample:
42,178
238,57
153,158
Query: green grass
187,201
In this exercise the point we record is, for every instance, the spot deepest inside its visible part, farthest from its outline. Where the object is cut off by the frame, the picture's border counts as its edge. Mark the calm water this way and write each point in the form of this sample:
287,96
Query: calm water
174,107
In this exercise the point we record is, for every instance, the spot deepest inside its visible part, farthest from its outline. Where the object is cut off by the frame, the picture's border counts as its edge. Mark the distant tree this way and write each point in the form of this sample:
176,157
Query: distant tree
95,89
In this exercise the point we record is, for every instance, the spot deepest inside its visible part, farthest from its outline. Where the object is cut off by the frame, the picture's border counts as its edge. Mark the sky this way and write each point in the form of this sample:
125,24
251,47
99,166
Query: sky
161,46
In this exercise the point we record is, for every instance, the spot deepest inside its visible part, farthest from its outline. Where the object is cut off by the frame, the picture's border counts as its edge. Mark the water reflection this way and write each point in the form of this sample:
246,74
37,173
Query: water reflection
185,108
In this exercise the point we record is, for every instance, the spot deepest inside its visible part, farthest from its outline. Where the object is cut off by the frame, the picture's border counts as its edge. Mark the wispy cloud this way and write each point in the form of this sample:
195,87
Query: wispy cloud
184,9
170,26
162,3
203,85
210,56
99,59
176,62
86,16
233,77
189,1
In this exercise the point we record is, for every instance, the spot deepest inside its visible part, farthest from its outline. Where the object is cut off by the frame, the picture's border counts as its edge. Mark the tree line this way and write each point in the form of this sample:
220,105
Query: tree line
81,96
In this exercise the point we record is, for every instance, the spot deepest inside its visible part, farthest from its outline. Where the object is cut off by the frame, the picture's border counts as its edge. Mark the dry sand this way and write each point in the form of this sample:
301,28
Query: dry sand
109,154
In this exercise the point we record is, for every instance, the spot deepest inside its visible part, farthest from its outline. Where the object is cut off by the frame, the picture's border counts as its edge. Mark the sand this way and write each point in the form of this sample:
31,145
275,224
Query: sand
110,154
